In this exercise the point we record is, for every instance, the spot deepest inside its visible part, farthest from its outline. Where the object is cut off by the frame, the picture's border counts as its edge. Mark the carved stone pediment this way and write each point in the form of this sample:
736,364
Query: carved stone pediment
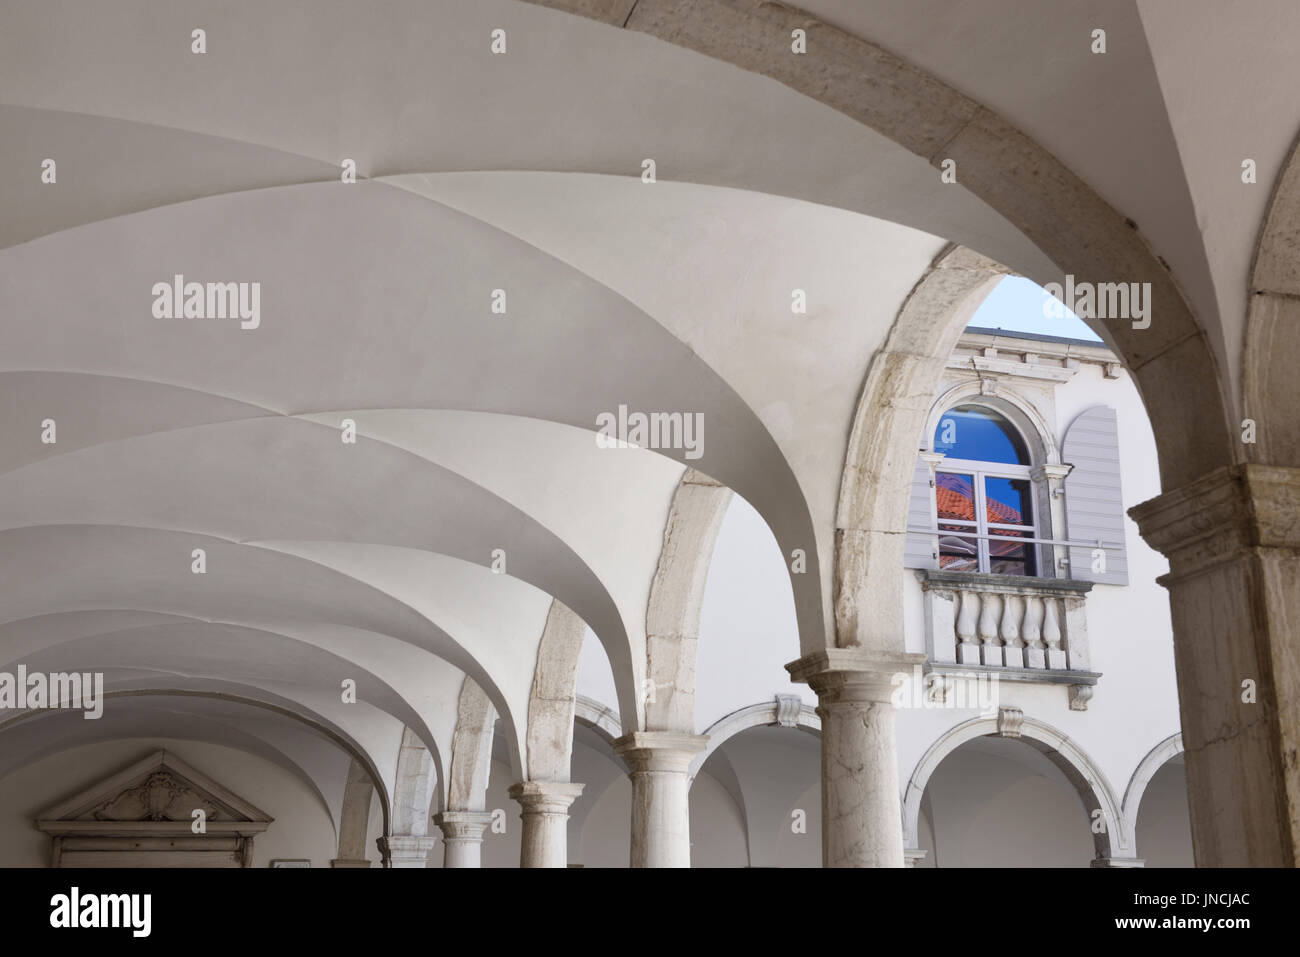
157,795
162,796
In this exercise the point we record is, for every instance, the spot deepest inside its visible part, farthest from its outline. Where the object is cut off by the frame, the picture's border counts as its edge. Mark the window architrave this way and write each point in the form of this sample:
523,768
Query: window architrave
1040,445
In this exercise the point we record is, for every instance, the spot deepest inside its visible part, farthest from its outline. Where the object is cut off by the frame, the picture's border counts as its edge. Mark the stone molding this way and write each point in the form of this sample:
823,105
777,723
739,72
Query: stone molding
1089,782
753,716
145,811
788,707
842,675
1214,519
405,850
1154,760
1009,722
463,825
659,751
553,798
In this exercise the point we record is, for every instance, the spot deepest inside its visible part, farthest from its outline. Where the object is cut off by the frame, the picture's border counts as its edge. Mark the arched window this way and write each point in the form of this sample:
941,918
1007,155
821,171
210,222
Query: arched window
984,497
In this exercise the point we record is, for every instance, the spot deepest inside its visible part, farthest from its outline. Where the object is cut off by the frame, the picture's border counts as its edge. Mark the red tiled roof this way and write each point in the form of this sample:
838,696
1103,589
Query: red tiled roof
955,500
953,497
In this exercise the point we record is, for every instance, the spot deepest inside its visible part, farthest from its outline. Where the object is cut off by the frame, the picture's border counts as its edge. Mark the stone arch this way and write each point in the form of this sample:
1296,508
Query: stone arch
1040,436
414,794
1155,759
785,710
354,820
244,695
896,399
1055,209
676,598
471,749
551,699
1087,779
1271,390
599,718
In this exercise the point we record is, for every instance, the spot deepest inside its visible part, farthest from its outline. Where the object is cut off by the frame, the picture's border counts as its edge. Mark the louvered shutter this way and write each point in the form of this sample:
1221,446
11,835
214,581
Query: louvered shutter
919,552
1094,503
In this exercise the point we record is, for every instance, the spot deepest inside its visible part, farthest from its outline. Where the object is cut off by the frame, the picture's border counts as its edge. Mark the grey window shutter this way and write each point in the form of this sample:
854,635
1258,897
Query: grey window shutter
919,552
1094,504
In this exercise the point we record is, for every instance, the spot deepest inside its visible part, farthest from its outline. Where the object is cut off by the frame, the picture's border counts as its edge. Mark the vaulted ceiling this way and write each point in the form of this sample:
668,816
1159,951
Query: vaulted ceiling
521,172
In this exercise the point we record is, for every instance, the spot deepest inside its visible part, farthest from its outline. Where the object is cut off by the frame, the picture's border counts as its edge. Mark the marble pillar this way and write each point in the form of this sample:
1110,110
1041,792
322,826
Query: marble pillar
1233,543
659,765
462,834
861,808
545,815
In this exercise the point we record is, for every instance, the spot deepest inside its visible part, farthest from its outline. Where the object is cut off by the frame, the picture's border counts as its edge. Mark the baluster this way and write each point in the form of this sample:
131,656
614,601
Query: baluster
1052,633
1013,647
1032,631
988,629
968,649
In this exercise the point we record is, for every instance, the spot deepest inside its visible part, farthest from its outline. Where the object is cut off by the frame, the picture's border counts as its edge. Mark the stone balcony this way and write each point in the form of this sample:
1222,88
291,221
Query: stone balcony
1021,628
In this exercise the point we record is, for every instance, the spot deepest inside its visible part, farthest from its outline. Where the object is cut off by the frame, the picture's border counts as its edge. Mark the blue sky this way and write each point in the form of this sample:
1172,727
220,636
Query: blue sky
1016,305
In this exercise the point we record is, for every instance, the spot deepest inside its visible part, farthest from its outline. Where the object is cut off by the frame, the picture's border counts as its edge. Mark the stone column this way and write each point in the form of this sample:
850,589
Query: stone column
1233,542
545,815
406,850
659,763
861,809
462,833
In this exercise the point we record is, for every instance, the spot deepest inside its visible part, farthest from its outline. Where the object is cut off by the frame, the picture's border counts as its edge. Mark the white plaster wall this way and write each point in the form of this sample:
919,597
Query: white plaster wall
606,838
501,849
748,631
1163,823
802,849
595,676
717,826
301,828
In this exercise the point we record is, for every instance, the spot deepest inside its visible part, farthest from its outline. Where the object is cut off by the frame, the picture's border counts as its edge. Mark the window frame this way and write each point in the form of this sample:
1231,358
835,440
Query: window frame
978,471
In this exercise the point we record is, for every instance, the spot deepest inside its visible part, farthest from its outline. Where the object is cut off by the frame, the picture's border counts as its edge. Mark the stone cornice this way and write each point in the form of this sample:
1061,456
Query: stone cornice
1002,584
659,750
545,797
853,674
1214,518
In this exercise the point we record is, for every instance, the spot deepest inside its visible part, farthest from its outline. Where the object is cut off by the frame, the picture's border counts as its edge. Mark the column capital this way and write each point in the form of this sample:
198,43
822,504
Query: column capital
406,850
1218,516
463,825
545,797
1050,472
853,674
659,750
